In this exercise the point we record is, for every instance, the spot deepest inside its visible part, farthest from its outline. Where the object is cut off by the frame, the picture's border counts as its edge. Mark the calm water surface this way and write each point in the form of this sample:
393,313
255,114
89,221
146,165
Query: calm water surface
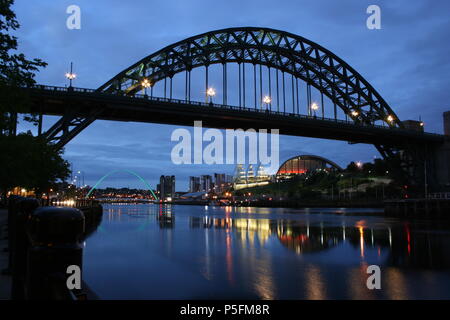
195,252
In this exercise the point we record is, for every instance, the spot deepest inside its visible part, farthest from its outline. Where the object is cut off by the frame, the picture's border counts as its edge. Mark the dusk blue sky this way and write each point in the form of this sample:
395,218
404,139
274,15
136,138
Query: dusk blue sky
406,62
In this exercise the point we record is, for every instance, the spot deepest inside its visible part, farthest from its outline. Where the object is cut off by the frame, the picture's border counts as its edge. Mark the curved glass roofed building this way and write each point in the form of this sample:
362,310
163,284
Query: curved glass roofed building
303,164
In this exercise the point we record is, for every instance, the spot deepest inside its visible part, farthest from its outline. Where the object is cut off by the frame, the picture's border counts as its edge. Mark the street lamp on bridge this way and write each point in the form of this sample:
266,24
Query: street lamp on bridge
390,119
146,84
315,107
70,75
267,100
211,92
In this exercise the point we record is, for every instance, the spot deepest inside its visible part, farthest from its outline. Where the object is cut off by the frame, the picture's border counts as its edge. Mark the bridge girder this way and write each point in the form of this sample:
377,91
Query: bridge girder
69,125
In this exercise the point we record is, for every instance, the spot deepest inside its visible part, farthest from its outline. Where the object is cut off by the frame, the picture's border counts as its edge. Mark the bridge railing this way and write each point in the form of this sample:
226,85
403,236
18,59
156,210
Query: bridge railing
63,89
439,195
76,203
222,106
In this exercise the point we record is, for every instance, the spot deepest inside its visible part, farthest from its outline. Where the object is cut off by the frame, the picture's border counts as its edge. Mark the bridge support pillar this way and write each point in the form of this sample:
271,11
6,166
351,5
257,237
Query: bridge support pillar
438,166
442,162
442,156
428,165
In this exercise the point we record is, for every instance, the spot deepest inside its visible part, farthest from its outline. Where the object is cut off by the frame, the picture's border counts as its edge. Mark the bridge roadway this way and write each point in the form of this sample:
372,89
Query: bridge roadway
57,101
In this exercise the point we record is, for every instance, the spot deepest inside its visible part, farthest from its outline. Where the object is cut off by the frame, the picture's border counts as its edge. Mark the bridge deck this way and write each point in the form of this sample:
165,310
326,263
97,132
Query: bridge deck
139,108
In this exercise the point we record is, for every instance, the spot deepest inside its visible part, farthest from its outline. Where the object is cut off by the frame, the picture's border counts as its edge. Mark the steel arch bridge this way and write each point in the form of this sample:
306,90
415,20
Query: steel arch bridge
282,51
117,171
368,117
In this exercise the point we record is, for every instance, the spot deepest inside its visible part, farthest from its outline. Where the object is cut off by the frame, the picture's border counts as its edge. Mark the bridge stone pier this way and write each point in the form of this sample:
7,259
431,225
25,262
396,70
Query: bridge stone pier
442,158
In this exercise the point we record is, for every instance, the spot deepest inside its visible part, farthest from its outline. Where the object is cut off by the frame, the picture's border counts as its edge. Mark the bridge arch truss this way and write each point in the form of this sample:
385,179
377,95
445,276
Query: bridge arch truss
275,50
285,52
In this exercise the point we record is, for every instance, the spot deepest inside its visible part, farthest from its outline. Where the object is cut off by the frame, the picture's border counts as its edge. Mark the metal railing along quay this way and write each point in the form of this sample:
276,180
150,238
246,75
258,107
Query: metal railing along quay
74,203
439,195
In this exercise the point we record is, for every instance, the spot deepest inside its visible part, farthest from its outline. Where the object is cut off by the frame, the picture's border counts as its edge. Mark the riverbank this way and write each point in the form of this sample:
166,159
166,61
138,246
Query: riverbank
300,204
296,204
5,280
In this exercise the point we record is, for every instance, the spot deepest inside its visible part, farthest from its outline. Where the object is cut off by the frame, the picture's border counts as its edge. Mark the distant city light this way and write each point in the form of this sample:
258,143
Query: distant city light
359,164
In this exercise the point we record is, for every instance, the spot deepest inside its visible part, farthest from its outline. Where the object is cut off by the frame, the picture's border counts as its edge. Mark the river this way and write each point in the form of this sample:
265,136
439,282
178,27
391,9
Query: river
148,251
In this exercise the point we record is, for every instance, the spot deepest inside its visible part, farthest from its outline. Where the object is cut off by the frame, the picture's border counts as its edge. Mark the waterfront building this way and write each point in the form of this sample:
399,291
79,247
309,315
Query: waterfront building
240,174
253,176
305,163
261,174
220,182
194,184
206,183
166,187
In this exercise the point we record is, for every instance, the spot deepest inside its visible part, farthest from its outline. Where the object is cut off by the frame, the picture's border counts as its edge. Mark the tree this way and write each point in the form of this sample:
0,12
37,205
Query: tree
368,168
16,72
25,161
352,167
380,167
30,162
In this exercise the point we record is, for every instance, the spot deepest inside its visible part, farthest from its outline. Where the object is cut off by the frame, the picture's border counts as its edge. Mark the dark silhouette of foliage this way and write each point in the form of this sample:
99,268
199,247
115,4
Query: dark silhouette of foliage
25,161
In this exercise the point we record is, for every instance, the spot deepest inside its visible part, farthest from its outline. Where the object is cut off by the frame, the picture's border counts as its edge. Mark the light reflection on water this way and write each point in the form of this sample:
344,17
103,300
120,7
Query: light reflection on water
196,252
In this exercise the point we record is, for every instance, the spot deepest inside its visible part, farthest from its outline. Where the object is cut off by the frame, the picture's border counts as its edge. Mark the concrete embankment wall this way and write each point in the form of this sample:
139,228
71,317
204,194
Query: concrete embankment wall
418,208
42,242
5,280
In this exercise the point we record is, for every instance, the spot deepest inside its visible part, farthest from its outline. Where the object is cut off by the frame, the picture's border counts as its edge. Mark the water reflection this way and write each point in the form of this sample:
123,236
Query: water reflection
267,253
407,249
315,286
